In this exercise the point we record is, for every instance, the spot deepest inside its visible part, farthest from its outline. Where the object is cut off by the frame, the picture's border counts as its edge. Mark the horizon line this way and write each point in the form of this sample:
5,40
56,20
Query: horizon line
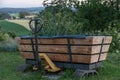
22,7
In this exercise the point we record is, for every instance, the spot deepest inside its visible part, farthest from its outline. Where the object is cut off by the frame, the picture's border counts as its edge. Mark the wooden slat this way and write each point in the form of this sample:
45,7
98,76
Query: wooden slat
77,58
45,48
88,58
89,40
85,49
66,58
50,48
45,41
27,55
64,49
105,48
108,39
81,41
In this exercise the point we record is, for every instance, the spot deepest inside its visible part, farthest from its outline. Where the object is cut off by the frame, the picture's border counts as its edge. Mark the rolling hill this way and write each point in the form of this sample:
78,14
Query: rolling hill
17,10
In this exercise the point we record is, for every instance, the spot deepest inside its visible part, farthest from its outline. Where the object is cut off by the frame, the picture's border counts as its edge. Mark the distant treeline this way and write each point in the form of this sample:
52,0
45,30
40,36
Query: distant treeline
17,10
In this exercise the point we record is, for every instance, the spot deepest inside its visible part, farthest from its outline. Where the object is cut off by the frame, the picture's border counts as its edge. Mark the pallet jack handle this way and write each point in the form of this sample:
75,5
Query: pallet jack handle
36,25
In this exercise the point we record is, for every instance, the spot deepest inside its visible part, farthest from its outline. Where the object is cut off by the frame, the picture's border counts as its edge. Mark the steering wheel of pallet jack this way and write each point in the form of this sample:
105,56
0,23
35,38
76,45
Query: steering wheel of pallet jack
36,23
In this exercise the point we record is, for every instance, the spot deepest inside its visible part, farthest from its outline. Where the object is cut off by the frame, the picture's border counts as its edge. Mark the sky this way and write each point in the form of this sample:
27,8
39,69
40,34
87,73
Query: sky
20,3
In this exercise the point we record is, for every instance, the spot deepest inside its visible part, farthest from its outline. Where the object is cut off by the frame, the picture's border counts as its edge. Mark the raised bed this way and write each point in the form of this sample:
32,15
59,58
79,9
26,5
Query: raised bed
69,50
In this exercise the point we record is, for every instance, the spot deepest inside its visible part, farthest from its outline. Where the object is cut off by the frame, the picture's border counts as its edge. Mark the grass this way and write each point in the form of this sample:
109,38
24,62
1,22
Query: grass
8,64
13,27
10,60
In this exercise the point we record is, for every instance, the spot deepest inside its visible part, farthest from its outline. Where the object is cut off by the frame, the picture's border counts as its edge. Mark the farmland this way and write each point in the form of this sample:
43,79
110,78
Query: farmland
19,30
24,23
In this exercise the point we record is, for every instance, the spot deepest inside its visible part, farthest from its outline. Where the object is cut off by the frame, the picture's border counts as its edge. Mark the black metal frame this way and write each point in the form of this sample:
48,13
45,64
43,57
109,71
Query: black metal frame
36,30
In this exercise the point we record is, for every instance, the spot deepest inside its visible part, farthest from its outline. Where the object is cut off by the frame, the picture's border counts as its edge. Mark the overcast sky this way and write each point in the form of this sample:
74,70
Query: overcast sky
20,3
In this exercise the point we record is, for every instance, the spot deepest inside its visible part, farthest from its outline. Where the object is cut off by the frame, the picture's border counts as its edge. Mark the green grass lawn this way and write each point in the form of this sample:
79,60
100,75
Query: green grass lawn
13,27
10,60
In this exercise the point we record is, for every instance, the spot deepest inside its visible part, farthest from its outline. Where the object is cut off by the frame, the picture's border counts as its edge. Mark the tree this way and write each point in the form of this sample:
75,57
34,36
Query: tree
23,14
63,3
0,15
14,17
59,18
4,15
96,15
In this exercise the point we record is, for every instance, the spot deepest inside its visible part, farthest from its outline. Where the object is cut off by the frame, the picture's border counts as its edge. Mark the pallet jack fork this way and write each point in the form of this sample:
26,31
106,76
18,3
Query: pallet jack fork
48,64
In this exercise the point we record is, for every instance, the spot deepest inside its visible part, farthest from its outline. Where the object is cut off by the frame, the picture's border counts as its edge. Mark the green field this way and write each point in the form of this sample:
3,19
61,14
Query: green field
10,60
13,27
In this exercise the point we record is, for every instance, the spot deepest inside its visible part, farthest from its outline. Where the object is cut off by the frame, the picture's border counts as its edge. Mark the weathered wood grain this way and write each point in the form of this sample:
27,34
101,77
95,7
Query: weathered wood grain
66,58
90,40
45,48
64,49
45,41
59,46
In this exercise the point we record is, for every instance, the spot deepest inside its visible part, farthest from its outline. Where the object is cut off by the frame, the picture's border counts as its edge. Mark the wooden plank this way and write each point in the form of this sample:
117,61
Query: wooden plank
64,49
51,48
89,40
53,41
107,39
45,48
25,48
85,49
105,48
98,39
77,58
88,58
27,55
66,58
45,41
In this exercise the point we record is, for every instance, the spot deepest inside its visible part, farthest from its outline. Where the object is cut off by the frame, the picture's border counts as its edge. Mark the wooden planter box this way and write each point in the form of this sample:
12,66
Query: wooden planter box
76,49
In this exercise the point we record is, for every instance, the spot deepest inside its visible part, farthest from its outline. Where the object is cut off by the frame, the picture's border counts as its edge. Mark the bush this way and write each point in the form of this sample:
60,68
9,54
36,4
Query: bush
115,45
96,15
12,34
10,45
4,36
7,43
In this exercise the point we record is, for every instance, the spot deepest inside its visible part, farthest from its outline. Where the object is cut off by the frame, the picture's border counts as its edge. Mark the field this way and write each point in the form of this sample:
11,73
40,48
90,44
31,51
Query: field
19,30
24,23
